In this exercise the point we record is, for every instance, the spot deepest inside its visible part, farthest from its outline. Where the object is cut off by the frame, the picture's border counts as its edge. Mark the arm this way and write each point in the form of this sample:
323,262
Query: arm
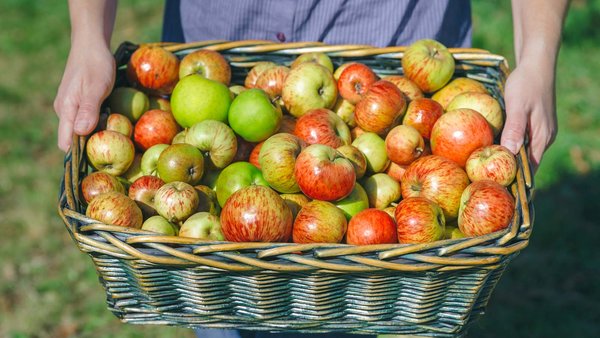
90,70
530,93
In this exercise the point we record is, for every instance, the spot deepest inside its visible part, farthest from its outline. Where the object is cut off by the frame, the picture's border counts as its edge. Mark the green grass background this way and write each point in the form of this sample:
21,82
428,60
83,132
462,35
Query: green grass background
49,289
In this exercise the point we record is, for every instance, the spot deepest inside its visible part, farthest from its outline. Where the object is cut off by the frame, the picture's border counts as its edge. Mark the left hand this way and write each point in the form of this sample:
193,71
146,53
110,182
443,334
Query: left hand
530,108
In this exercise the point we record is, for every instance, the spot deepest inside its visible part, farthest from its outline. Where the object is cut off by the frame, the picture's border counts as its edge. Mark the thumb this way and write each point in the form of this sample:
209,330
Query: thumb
514,130
87,114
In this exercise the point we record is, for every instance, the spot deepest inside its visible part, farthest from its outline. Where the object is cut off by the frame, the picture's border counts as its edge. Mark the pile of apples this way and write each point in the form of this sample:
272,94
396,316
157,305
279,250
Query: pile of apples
303,153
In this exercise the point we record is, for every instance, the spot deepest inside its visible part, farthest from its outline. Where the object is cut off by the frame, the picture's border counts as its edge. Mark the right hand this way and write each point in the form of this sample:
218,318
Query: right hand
88,79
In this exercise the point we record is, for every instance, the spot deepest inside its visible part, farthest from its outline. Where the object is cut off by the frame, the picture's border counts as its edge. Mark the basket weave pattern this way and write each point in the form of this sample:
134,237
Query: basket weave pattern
434,289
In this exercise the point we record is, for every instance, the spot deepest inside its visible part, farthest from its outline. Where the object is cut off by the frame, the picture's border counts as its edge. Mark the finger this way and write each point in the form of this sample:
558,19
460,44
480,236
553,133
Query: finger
66,113
514,129
88,111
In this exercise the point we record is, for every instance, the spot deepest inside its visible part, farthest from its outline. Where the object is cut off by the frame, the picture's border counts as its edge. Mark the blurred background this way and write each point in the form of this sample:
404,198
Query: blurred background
50,289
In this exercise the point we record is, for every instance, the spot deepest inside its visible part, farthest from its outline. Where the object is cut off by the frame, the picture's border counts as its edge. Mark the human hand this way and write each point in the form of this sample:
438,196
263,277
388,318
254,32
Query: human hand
530,108
88,79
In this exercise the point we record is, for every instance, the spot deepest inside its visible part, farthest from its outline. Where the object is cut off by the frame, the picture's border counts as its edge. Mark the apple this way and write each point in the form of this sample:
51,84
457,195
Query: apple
396,171
119,123
215,139
482,103
253,116
381,108
129,102
150,157
97,183
494,162
204,226
356,157
158,102
207,200
208,63
338,71
391,211
235,177
244,149
453,232
373,147
382,190
428,64
256,71
371,226
277,160
319,222
181,162
254,154
295,202
345,110
422,113
288,124
160,225
176,201
354,203
356,132
142,191
115,208
154,127
256,214
419,220
323,173
438,179
354,82
135,169
410,89
485,207
458,133
309,86
179,137
459,85
196,98
324,127
404,144
154,69
110,151
314,57
271,82
235,90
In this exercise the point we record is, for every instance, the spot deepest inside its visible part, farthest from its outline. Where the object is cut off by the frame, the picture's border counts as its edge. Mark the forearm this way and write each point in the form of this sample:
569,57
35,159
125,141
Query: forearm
92,21
537,28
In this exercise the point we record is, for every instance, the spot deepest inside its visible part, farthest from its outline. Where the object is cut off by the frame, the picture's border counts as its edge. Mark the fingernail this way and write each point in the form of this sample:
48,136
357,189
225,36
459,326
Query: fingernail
82,126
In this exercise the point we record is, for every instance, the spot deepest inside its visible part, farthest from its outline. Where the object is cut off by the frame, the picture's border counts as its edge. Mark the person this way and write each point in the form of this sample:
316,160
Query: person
529,91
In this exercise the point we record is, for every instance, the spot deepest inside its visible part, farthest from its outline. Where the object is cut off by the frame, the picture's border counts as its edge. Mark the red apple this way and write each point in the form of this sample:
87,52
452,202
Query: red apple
319,222
256,71
155,127
323,173
484,104
338,71
485,207
254,159
410,89
176,201
396,171
422,113
119,123
208,63
110,151
458,133
438,179
154,69
288,124
277,159
381,108
459,85
371,226
356,157
324,127
97,183
142,191
271,81
256,214
215,138
180,162
115,208
419,220
494,162
429,64
404,144
354,82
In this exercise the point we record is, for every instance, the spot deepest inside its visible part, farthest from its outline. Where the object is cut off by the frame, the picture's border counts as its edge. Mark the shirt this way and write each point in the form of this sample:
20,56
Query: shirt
372,22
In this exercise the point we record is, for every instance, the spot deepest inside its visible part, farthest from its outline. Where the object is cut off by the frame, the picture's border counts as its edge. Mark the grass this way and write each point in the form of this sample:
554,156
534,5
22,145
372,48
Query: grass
48,288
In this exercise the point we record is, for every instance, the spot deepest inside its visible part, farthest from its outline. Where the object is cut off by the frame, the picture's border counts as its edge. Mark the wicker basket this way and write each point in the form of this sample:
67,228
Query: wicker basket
434,289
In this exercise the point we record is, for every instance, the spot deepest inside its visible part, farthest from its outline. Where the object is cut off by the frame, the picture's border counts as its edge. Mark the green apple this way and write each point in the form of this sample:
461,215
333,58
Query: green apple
202,225
295,202
253,117
149,160
179,137
135,169
309,86
277,159
373,147
215,139
160,225
354,203
316,57
235,177
180,162
129,102
382,190
196,98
